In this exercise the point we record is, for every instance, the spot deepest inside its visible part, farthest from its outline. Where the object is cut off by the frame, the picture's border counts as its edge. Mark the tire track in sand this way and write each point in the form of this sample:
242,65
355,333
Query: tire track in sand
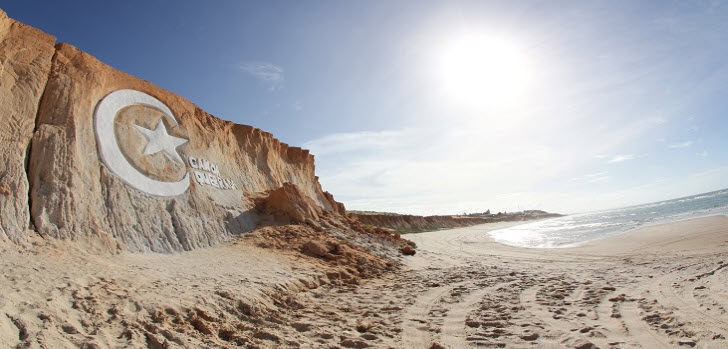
562,327
639,331
453,328
415,327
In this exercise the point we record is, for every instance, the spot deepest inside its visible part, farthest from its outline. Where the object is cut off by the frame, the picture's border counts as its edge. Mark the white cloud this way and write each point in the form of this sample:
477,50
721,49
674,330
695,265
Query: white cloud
703,153
431,171
596,177
470,165
268,73
685,144
355,141
591,178
621,158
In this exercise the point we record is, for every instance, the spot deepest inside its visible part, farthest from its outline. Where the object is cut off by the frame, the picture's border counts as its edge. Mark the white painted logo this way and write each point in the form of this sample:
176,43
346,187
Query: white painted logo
159,140
209,174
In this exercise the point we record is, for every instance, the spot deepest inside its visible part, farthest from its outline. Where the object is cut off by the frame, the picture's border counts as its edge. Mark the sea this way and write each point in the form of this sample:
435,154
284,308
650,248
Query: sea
573,229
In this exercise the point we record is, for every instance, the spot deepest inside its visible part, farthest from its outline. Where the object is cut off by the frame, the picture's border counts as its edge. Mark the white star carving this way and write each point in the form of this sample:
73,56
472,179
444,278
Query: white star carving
159,140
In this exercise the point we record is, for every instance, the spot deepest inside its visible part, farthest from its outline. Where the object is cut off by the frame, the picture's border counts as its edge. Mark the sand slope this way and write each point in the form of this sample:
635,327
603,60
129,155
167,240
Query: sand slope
54,294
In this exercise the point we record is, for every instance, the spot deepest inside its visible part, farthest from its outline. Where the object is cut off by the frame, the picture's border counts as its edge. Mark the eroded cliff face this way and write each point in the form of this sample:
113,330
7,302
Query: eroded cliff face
98,156
25,61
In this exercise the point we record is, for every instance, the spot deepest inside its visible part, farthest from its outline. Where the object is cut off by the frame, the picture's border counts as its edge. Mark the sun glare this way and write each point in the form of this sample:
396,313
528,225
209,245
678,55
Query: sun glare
478,71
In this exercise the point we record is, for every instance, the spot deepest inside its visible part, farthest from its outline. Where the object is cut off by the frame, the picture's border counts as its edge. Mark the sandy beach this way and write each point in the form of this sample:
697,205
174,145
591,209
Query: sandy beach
660,286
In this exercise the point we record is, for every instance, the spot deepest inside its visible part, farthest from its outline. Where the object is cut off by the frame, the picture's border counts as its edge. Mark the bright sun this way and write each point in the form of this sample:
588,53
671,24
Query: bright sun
477,71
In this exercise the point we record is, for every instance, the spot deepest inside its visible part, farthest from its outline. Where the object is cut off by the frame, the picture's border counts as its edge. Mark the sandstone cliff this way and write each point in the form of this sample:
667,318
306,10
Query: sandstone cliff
68,173
25,61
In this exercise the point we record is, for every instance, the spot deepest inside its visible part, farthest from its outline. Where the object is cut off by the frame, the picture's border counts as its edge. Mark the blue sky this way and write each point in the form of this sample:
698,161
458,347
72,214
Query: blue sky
601,104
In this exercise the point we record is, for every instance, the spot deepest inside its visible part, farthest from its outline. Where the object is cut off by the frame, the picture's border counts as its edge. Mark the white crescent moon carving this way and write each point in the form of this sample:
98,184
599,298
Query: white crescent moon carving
109,149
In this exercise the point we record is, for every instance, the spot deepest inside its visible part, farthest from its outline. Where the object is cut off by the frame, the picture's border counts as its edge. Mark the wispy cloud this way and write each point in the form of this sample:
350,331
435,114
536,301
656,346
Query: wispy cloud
621,158
268,73
432,170
685,144
703,153
357,142
592,177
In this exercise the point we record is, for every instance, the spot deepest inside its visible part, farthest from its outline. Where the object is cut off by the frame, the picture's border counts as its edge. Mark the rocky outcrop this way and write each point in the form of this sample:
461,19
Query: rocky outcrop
114,161
338,207
25,61
289,204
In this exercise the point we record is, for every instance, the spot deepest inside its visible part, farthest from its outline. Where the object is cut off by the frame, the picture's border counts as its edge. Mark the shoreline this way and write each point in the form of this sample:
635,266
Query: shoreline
639,227
645,226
